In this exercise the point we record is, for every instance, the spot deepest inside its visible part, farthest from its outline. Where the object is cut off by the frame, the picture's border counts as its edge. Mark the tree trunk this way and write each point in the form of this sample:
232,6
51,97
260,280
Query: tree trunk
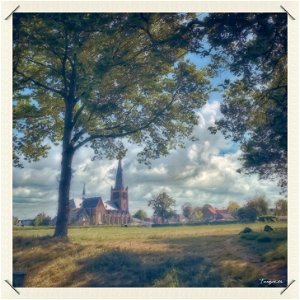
61,229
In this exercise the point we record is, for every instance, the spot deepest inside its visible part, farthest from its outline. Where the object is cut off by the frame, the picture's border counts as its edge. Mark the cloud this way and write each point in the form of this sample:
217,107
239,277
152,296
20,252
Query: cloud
203,172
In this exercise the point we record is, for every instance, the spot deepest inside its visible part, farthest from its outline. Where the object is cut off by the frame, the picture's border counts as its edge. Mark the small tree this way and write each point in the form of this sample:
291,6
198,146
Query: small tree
42,220
233,208
187,210
197,214
281,207
140,214
163,205
259,204
246,214
15,221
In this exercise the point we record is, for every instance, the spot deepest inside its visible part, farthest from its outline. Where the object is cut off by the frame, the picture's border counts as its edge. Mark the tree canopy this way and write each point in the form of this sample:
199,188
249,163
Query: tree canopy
253,46
281,207
259,204
42,219
140,214
119,74
94,79
232,208
163,205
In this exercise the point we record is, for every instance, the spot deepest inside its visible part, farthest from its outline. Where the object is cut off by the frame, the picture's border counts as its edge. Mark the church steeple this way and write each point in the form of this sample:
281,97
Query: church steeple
119,177
83,191
119,194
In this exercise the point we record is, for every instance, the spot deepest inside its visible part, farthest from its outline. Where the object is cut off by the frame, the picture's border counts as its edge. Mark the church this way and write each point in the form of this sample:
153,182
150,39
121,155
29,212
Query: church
96,211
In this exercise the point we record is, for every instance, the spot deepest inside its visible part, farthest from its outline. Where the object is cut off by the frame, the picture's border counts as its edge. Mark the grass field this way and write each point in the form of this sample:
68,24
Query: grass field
187,256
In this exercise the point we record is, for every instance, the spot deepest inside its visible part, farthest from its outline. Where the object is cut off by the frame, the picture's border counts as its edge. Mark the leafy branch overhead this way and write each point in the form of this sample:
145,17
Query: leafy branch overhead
120,75
253,46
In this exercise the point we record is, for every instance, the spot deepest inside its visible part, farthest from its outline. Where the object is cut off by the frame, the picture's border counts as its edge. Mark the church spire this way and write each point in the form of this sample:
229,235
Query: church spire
83,191
119,177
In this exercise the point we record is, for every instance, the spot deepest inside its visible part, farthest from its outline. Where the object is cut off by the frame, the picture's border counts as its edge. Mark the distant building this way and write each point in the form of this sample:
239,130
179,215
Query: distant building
27,222
213,214
95,211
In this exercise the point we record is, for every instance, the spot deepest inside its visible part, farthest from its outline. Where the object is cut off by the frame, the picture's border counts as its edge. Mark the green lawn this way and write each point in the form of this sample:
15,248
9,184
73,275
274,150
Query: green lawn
187,256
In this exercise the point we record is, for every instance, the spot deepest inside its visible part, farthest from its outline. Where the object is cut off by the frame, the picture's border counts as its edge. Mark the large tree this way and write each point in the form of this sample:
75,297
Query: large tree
253,46
91,80
163,205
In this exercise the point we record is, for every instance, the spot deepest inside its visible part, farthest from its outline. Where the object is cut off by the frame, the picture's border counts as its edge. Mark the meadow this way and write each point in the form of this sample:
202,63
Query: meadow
185,256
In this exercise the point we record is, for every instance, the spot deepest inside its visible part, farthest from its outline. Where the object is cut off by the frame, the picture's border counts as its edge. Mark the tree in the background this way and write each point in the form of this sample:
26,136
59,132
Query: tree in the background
259,204
232,208
281,207
91,80
246,214
15,220
253,46
140,214
42,220
187,210
197,214
163,206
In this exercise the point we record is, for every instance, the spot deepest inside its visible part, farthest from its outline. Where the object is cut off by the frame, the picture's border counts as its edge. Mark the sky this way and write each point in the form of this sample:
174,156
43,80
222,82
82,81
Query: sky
202,173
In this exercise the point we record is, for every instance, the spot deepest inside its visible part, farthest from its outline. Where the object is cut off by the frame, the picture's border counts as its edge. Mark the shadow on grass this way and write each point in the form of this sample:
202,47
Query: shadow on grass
34,253
40,241
120,268
189,261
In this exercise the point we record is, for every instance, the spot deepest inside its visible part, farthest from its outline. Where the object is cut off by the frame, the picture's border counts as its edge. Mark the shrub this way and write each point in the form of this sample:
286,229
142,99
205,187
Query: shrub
249,236
264,239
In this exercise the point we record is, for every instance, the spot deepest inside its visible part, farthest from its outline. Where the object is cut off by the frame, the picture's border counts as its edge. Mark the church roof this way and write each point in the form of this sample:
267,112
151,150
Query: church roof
90,202
109,205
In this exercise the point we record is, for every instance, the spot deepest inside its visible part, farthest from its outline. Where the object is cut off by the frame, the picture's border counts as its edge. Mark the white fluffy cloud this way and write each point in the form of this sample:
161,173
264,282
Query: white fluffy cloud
203,172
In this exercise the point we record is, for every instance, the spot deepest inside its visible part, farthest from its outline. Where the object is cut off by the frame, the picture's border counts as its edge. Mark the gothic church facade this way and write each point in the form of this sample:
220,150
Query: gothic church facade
96,211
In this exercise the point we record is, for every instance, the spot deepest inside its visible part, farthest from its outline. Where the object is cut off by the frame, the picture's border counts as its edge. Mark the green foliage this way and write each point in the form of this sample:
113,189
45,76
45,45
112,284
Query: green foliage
249,236
15,220
254,111
246,214
121,75
42,220
267,218
281,208
264,239
197,214
187,210
140,214
193,214
233,208
163,205
259,204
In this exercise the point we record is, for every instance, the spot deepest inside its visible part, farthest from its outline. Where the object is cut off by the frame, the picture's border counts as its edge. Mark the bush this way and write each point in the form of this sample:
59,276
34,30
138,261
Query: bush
249,236
42,220
264,239
268,218
246,214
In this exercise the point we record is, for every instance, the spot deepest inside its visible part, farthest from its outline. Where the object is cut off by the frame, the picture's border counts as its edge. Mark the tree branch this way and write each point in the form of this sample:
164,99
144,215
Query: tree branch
122,134
41,84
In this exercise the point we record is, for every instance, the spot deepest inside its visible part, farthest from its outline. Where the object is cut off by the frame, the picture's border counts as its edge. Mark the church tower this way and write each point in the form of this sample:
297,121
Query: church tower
119,194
